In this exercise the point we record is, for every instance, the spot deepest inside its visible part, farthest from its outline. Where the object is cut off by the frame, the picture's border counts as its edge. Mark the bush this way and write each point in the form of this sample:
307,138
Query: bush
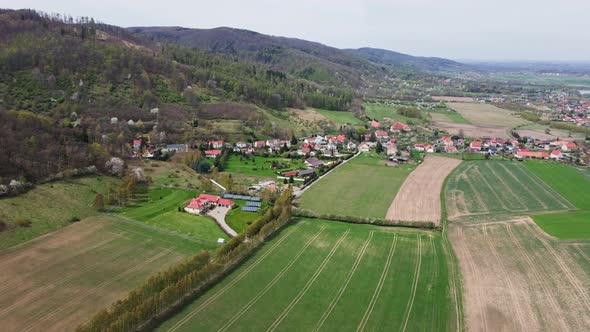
3,226
74,219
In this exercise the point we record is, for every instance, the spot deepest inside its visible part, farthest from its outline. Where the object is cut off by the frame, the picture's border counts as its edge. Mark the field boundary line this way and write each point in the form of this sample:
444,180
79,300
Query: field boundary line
379,287
452,264
414,286
473,268
220,292
559,260
538,276
32,295
343,287
491,244
586,258
51,244
308,285
277,277
76,254
90,291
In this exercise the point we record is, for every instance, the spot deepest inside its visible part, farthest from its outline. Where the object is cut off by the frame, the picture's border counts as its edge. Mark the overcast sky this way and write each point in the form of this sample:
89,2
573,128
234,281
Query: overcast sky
456,29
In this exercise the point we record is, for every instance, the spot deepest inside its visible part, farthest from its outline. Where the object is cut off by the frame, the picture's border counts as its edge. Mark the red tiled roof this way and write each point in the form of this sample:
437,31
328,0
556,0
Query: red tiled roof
212,152
223,201
380,133
291,173
375,124
476,144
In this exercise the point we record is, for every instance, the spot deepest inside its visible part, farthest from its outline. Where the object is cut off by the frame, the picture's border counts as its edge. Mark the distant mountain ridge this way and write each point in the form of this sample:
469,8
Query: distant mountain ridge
306,59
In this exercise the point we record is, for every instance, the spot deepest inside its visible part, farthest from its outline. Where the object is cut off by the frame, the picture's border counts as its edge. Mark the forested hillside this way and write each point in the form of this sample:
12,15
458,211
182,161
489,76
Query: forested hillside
79,91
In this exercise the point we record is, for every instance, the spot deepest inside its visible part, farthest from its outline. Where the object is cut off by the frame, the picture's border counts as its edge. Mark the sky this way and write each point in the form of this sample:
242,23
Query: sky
497,30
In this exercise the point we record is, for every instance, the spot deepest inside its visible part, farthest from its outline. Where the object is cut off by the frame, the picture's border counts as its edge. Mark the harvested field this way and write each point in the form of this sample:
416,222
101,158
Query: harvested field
487,115
57,281
454,99
310,115
419,196
318,275
515,277
469,130
487,190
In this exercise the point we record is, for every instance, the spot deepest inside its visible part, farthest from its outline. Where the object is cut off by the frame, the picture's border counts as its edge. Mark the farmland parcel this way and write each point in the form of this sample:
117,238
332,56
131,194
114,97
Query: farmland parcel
319,275
419,197
363,187
55,282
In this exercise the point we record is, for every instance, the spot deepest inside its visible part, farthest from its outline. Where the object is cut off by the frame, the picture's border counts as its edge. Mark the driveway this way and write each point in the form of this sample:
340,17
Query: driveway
219,215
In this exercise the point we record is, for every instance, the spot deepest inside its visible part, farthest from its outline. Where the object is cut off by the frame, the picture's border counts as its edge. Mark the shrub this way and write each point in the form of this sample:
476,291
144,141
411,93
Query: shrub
3,226
74,219
22,222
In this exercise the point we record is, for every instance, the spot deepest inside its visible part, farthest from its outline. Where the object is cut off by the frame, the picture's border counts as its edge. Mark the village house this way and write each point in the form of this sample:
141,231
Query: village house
391,150
313,162
366,146
351,146
259,144
399,127
429,148
216,144
419,147
450,149
475,146
242,145
205,202
446,141
375,124
176,148
381,135
556,154
212,153
525,153
136,144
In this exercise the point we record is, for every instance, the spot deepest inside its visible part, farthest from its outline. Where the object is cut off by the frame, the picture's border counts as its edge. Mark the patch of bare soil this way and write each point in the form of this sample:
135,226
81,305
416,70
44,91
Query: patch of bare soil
419,196
515,278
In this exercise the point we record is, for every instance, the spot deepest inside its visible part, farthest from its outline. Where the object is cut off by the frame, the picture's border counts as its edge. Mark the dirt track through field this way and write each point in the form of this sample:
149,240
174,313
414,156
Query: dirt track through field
419,196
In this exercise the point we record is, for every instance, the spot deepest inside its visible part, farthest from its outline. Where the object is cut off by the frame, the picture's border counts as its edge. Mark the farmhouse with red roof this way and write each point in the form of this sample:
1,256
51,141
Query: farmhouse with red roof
216,144
204,202
399,126
475,146
375,124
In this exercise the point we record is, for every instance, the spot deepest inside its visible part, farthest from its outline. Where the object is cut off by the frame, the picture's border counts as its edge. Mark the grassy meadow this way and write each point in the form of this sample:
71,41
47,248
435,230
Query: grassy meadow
363,187
49,207
339,117
572,184
485,190
261,166
239,220
381,111
330,276
158,207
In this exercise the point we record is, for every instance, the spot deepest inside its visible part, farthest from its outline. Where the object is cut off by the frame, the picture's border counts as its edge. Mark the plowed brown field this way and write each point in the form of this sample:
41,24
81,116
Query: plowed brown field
419,196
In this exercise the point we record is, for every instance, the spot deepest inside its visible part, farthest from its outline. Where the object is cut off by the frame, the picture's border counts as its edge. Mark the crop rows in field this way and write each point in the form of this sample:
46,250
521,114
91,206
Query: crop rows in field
56,282
481,190
517,278
318,275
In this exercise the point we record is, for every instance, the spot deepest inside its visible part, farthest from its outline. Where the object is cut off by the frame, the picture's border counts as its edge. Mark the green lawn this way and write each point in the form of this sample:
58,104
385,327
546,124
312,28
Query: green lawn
239,220
261,166
339,117
564,179
331,276
570,225
49,207
575,187
483,190
453,116
363,187
159,208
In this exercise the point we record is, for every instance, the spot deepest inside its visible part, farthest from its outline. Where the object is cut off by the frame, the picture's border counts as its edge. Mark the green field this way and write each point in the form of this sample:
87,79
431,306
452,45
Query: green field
380,111
55,282
484,190
575,187
363,187
49,207
159,208
339,117
238,220
261,166
329,276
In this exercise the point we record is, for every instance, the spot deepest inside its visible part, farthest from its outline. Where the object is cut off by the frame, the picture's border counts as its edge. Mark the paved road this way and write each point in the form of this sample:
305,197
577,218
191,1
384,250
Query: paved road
300,192
219,215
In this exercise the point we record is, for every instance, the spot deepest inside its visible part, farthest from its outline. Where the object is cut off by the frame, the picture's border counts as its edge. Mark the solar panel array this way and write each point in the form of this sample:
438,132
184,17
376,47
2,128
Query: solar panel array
242,197
257,204
250,209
